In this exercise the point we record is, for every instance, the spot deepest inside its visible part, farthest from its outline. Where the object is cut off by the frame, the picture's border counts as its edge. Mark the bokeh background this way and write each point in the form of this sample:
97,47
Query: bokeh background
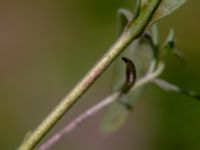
47,46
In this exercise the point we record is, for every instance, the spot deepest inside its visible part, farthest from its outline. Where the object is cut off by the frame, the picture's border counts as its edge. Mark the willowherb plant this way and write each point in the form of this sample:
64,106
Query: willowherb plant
145,58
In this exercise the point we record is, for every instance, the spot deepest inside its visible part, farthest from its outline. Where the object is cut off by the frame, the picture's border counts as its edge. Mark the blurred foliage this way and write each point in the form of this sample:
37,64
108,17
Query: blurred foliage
47,46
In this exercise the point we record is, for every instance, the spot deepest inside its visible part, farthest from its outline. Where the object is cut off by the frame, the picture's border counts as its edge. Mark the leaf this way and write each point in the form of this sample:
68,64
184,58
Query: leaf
117,114
166,7
155,45
168,47
124,16
169,87
115,117
155,35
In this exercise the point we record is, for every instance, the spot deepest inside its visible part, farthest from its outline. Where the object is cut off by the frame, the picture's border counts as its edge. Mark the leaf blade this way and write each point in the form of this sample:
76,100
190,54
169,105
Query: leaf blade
166,7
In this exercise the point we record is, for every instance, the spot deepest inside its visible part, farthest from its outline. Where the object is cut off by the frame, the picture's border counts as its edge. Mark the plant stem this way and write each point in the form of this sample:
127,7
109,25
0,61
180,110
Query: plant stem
96,108
133,31
149,77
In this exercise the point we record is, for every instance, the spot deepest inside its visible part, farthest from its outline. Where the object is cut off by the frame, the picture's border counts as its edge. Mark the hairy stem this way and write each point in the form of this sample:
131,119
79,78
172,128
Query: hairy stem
133,31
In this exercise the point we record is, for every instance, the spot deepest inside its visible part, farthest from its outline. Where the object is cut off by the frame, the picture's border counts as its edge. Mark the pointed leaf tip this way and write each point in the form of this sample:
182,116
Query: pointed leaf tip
166,7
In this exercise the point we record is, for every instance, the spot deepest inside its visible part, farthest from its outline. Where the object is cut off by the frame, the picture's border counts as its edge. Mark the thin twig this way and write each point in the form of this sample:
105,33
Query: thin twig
133,31
96,108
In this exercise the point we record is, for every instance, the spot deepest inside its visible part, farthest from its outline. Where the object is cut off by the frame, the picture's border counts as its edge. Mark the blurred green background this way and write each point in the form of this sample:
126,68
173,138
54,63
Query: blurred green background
47,46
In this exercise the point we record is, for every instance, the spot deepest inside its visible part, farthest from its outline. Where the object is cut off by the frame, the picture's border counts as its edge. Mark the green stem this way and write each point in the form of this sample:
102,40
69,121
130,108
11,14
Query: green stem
133,31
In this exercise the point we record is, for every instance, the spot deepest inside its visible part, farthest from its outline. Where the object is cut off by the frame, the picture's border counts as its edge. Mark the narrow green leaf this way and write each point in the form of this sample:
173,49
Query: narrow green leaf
168,47
166,7
155,35
124,16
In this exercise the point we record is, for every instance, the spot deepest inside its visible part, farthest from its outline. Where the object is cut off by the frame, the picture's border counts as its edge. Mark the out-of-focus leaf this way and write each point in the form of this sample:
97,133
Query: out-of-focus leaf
168,47
118,70
166,7
124,16
115,117
169,87
117,113
155,35
155,46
